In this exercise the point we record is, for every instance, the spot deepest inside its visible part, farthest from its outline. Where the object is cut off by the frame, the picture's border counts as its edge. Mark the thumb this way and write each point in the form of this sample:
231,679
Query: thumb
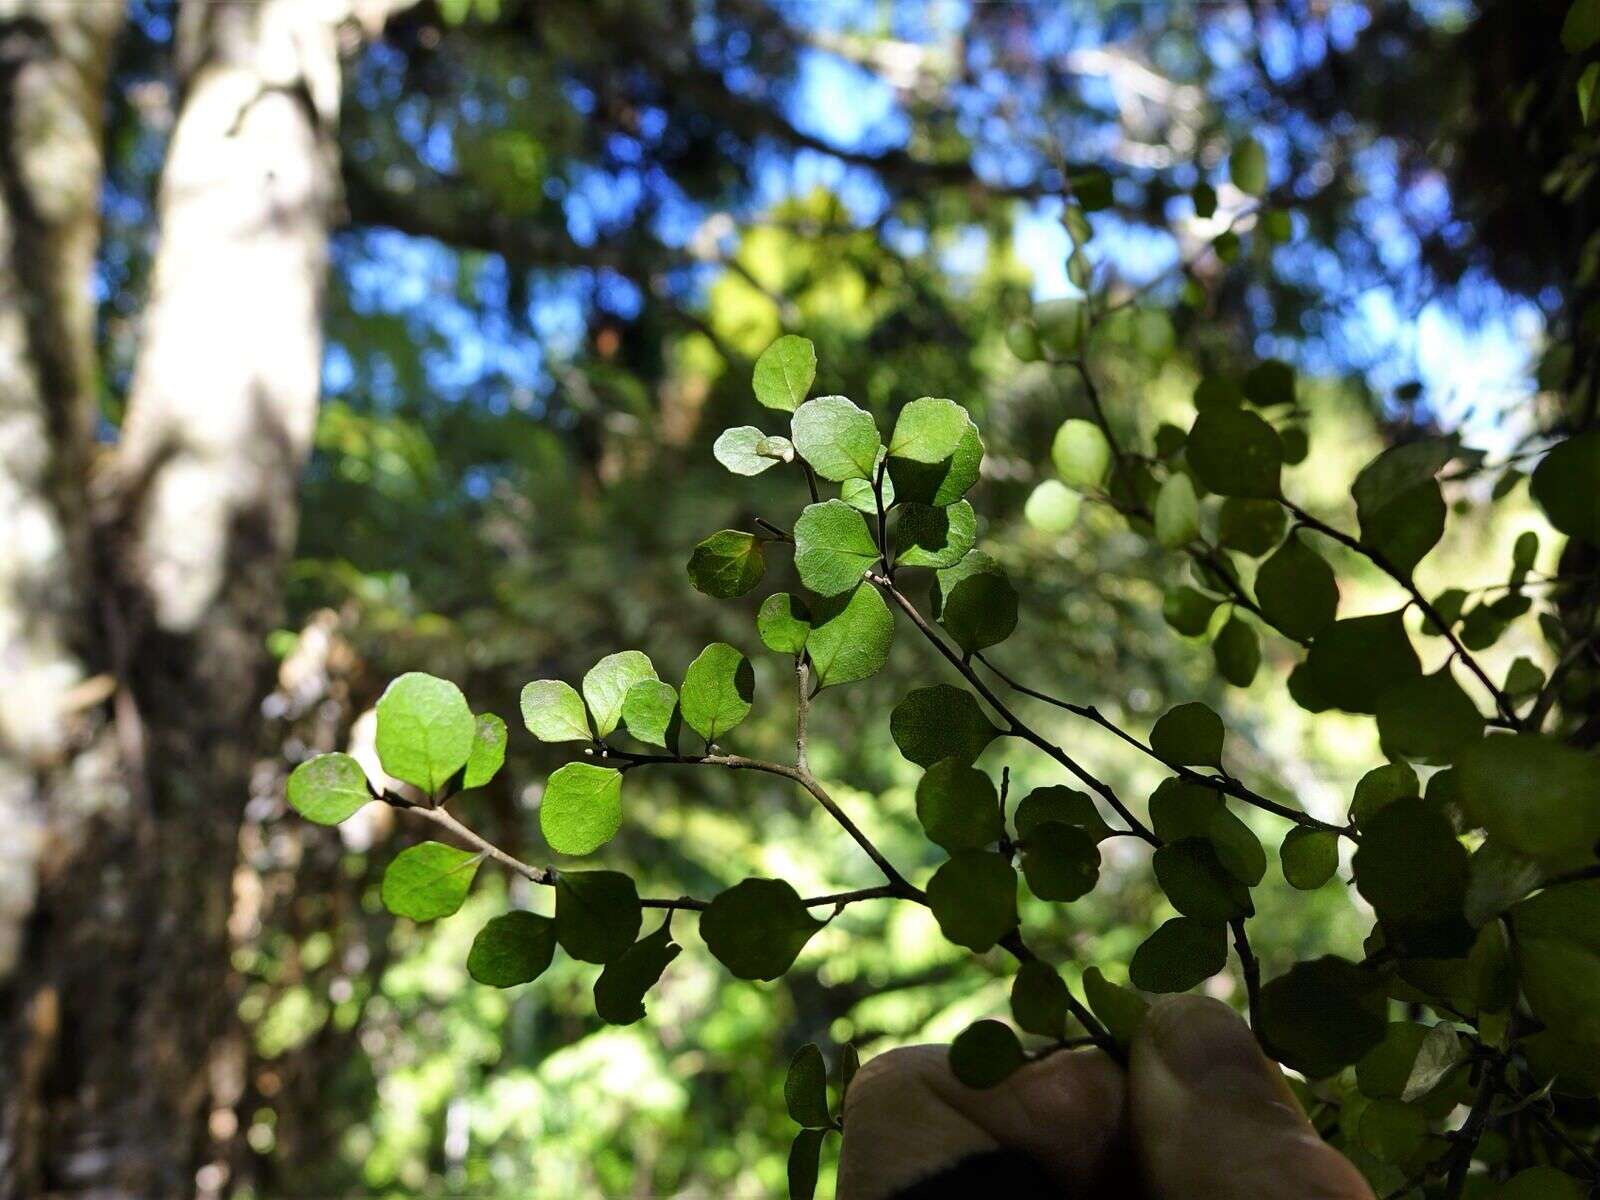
1214,1119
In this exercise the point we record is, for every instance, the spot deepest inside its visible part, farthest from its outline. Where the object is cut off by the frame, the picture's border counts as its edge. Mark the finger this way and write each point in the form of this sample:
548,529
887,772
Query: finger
1214,1119
907,1118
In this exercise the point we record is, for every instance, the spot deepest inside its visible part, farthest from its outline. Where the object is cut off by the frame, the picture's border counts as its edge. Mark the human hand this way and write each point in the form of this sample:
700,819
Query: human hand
1201,1114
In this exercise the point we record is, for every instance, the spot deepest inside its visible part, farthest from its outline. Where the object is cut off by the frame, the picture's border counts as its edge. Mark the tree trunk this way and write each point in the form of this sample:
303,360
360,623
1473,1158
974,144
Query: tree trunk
122,1053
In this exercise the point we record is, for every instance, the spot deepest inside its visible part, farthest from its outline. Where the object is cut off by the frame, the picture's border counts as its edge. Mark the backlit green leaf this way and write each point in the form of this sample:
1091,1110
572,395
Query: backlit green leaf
648,711
851,636
1428,718
727,564
1268,383
1564,486
1188,611
328,788
926,465
783,623
1251,527
1058,803
1081,454
597,914
718,689
425,730
805,1156
1247,167
606,685
488,750
553,712
785,372
1321,1016
1197,884
832,547
581,809
925,536
1237,651
1355,661
1121,1010
1177,512
1052,507
1296,589
428,881
1310,857
1413,871
1556,938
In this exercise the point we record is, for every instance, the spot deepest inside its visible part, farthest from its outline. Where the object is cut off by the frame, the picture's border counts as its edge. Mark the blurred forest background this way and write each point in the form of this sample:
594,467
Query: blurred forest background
411,327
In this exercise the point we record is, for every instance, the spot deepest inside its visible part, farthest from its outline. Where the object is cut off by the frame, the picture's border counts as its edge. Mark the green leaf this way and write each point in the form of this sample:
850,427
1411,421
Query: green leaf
425,730
1204,197
1413,871
851,637
783,623
1058,803
727,564
717,692
1390,1131
428,881
1394,473
1197,884
1237,651
1177,512
1556,937
838,439
1428,718
1310,857
1297,591
1497,878
1181,954
805,1157
581,809
985,1054
785,372
1063,324
1579,31
648,711
1039,1000
1188,611
1523,679
488,750
849,1064
958,807
1120,1009
928,430
1235,453
1532,794
757,928
805,1089
1563,484
513,948
606,685
1247,167
974,899
925,536
1269,383
1381,787
1355,661
739,450
328,788
1321,1016
832,547
938,722
1081,454
920,478
1250,526
1217,391
1189,735
1061,862
975,602
1545,1182
597,914
860,494
1052,507
620,990
553,712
